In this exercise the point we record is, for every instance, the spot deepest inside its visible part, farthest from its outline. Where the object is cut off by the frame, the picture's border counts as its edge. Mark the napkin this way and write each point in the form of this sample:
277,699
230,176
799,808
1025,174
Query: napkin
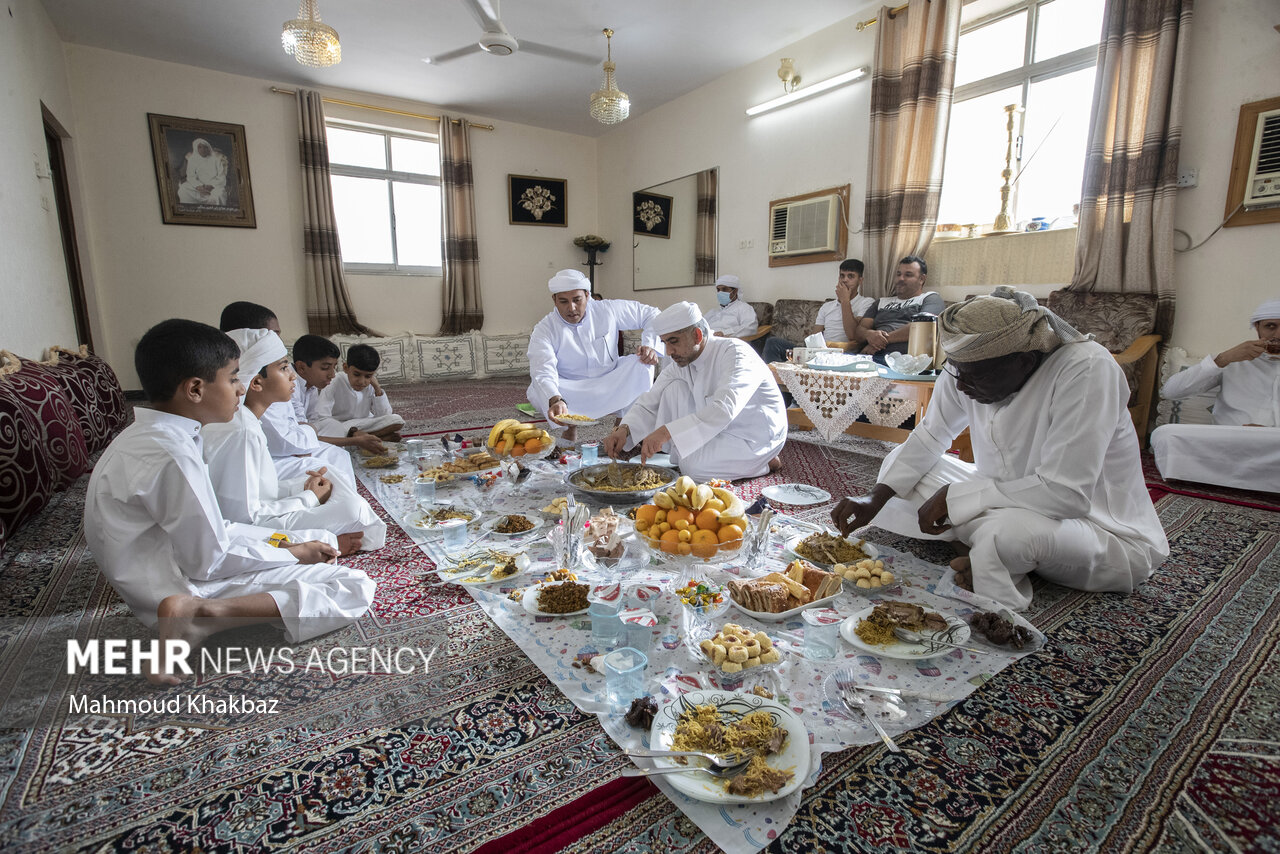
638,617
815,341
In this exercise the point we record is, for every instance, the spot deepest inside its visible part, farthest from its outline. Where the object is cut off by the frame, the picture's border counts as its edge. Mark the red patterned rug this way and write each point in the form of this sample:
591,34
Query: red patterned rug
1145,724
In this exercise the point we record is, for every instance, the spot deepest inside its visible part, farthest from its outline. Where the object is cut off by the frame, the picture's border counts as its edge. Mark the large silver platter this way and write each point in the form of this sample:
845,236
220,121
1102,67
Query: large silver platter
574,481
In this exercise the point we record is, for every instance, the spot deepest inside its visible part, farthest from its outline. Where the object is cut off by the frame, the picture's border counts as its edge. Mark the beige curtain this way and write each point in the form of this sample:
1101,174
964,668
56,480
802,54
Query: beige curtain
329,309
704,245
462,310
1125,240
911,86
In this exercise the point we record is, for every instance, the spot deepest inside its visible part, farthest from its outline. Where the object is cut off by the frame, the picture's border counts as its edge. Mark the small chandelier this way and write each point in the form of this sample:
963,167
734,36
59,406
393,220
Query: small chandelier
310,41
608,105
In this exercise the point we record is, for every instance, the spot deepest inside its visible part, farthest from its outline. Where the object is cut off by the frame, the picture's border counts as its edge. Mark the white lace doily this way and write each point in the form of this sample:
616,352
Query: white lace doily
833,400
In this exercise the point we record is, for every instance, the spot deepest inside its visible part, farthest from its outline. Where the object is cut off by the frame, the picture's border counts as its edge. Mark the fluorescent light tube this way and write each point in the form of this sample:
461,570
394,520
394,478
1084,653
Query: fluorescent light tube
807,91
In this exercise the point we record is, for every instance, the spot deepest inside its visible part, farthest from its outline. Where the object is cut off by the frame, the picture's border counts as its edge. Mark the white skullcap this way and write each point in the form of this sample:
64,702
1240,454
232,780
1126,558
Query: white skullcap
1268,310
673,318
729,281
258,348
569,280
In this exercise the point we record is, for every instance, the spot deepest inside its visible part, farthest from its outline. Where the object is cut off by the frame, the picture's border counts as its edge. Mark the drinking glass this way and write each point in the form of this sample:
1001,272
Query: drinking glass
821,637
454,532
606,626
590,453
424,489
624,677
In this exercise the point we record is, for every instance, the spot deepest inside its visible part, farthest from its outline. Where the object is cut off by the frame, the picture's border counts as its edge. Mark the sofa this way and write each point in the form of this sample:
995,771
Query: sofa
55,416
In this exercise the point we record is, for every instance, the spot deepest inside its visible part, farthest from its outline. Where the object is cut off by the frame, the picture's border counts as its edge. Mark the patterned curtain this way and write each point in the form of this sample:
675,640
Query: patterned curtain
1125,239
462,309
704,246
329,310
911,85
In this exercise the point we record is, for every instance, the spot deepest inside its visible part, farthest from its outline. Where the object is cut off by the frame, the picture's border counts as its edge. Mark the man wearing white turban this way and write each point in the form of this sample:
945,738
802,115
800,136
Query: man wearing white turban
1241,448
717,410
204,180
732,317
1056,486
574,363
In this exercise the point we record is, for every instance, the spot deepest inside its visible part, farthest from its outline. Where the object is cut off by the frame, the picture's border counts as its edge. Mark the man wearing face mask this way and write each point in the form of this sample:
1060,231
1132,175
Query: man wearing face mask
733,317
1241,448
1056,486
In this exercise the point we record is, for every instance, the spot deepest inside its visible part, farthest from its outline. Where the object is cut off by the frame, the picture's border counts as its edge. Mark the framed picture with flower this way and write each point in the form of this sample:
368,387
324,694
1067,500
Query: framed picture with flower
652,214
538,201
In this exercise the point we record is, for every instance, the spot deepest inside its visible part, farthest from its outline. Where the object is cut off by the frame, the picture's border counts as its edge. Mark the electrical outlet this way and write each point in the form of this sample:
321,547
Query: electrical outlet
1188,177
746,244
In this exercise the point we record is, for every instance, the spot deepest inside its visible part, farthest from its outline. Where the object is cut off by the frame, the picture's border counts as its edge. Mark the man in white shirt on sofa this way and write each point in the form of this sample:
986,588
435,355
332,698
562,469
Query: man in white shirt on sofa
732,317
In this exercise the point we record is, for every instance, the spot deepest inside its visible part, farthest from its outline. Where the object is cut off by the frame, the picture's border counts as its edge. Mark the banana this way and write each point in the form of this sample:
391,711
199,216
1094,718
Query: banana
725,495
499,429
663,501
684,484
526,435
734,507
701,496
740,521
681,499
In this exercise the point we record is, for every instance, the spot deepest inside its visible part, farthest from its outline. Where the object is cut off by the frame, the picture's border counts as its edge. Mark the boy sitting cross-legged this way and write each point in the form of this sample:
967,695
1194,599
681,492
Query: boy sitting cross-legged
355,401
315,361
153,522
244,477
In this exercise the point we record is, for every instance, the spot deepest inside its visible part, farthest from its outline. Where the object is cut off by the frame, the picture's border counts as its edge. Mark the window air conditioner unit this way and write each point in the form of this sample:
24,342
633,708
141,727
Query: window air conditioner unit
802,228
1262,190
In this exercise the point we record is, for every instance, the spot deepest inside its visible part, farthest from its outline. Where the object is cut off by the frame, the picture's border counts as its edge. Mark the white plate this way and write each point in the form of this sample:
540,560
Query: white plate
530,602
872,551
466,579
703,787
417,518
488,527
767,617
796,494
590,422
898,650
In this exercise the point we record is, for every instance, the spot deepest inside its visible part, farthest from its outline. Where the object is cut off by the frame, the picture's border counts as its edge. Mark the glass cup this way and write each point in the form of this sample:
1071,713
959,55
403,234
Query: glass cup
414,448
821,635
791,355
624,677
590,453
606,626
424,489
639,637
454,533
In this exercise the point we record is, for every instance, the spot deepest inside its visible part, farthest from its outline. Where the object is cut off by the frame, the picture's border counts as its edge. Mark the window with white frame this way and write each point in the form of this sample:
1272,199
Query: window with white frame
386,198
1039,55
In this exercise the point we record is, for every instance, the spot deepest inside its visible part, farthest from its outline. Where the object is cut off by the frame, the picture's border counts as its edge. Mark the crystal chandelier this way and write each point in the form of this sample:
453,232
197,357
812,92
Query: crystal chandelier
310,41
608,105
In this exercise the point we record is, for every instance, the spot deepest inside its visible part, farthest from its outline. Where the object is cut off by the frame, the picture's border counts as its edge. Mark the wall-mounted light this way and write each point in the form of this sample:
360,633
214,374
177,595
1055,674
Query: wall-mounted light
808,91
787,74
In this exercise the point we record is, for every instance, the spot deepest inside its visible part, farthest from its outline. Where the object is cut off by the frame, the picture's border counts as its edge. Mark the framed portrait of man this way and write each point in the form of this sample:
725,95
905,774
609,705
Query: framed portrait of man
202,172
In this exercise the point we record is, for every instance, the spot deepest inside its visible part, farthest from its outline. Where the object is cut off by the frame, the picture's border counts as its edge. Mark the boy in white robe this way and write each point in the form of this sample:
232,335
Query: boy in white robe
1056,486
355,402
1241,448
294,447
717,410
732,317
153,522
574,366
244,477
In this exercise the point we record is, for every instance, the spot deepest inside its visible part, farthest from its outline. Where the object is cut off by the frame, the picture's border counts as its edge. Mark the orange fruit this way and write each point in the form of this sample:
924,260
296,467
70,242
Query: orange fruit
647,513
518,451
670,542
705,543
730,536
679,513
684,548
533,446
708,520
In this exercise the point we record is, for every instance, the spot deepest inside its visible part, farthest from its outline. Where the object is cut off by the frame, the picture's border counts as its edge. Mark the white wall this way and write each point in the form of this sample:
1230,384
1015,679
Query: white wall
1235,59
811,145
147,271
35,300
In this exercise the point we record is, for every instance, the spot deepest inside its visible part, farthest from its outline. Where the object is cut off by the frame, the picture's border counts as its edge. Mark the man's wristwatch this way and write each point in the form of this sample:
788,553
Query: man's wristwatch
554,400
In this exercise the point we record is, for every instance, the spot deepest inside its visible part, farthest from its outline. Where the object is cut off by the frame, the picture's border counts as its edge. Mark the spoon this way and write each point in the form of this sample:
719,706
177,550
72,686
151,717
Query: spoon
731,771
915,637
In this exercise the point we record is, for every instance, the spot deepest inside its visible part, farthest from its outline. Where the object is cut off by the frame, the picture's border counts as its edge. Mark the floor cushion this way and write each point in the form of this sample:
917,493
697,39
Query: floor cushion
94,392
61,436
26,477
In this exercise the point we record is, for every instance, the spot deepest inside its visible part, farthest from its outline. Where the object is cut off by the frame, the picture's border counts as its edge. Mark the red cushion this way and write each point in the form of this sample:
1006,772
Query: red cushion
63,438
95,395
26,477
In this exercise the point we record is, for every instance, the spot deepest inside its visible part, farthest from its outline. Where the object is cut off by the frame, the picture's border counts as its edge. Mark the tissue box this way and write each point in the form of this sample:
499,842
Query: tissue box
800,355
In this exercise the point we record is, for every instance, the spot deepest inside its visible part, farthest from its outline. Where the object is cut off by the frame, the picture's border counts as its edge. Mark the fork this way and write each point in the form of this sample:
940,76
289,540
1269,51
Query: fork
851,697
731,771
720,760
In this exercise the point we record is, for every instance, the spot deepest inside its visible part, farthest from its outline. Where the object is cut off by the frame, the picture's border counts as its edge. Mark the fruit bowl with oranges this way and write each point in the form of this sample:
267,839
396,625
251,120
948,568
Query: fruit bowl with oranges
691,522
512,438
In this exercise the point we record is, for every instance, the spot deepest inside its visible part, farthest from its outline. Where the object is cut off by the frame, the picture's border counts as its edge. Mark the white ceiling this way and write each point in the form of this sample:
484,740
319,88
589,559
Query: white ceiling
663,48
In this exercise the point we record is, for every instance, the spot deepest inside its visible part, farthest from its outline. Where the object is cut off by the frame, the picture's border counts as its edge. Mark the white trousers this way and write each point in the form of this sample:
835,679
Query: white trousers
1008,544
372,424
611,393
1236,457
344,513
336,460
313,599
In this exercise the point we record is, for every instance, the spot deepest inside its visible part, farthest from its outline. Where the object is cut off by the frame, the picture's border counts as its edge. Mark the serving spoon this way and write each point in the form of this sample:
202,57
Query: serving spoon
909,636
731,771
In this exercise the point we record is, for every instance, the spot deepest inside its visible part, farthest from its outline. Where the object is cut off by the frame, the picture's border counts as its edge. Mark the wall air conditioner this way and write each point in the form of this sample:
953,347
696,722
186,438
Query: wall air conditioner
1262,189
805,227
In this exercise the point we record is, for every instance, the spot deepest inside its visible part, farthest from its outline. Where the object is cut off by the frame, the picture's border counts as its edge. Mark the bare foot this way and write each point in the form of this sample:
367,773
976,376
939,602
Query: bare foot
348,543
963,570
571,433
392,437
178,620
775,464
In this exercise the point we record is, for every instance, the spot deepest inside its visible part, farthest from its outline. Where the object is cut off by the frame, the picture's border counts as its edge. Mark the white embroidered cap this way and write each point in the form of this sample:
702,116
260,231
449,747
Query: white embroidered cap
1266,311
673,318
729,281
569,280
258,348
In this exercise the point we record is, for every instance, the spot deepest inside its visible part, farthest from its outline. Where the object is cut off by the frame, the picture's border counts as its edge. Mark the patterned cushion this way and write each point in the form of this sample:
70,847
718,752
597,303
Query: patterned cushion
630,341
1196,409
506,355
445,357
396,352
26,475
764,312
792,318
1116,320
94,393
62,438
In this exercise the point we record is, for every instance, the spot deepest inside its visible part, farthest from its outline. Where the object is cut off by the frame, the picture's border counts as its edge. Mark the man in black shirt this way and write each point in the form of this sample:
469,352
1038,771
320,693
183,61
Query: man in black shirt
884,328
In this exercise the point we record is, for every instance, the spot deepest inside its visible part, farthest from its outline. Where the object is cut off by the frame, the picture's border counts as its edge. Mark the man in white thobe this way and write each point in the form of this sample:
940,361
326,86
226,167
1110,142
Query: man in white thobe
244,476
1241,448
573,353
731,318
204,179
1056,486
717,410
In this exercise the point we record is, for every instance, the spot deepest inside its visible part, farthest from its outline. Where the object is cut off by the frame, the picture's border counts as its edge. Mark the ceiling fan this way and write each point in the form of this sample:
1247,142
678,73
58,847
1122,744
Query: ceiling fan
496,40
